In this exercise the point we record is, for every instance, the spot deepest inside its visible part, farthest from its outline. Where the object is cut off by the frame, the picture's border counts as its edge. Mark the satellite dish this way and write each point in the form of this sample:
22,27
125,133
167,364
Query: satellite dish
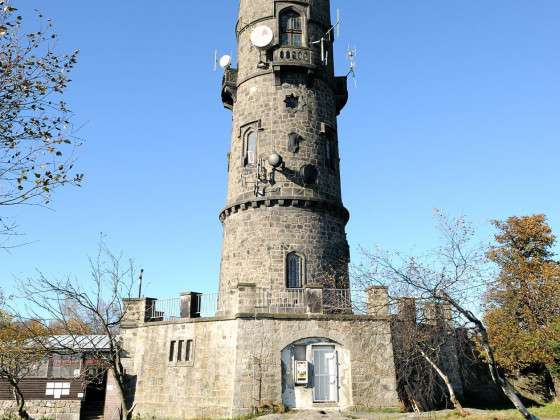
262,36
225,61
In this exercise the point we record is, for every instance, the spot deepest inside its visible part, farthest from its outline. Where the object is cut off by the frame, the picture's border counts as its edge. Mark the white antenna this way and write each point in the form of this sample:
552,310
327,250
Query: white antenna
337,23
351,55
223,61
335,29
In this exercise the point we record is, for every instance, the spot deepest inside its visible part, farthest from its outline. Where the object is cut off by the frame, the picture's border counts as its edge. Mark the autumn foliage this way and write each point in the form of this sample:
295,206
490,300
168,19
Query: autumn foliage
523,305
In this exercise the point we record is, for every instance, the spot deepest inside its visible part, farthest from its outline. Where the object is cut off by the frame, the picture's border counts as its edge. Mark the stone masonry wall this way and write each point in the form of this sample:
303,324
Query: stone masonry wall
367,341
201,388
57,410
222,380
256,242
259,100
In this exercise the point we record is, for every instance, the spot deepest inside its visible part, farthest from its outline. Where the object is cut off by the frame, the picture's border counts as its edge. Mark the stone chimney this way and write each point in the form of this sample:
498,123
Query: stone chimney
378,301
137,311
438,313
407,309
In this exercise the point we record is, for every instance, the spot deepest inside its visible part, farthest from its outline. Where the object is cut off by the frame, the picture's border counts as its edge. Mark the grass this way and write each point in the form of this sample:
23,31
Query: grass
385,410
551,411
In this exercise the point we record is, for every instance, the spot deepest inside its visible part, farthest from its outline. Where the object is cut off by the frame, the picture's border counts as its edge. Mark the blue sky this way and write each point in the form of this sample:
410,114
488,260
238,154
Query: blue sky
457,108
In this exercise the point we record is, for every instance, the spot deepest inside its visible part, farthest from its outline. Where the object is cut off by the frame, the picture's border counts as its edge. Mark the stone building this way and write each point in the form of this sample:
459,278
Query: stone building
281,330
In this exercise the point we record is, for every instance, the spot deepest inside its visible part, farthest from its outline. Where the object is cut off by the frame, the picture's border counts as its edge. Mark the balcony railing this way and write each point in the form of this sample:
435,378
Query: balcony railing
256,300
295,56
165,310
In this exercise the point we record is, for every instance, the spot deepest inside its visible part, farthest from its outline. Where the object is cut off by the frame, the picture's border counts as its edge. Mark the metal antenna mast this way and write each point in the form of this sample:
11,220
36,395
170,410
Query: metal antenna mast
351,56
140,283
336,29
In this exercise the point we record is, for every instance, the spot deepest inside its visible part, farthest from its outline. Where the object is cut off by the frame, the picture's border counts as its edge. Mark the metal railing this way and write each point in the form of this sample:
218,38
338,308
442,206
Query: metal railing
207,304
337,300
165,310
342,301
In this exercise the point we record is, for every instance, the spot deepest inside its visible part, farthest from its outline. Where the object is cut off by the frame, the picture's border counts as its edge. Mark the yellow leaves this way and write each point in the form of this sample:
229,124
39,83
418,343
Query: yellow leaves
523,305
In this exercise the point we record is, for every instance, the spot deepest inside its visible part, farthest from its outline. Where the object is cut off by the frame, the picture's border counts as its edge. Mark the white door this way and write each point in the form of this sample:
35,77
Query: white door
325,378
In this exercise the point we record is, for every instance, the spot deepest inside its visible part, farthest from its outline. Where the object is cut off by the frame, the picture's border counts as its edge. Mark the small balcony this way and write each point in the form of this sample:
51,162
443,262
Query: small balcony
292,56
229,87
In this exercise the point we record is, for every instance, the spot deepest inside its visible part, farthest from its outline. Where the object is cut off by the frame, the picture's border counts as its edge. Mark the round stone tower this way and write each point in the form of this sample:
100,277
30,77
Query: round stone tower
284,221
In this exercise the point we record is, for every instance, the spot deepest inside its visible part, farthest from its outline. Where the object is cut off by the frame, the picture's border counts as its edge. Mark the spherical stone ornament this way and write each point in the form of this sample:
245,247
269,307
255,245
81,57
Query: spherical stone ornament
275,160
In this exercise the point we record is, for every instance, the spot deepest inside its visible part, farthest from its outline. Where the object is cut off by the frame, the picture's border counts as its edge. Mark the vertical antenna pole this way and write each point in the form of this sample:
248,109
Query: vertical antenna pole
337,23
140,283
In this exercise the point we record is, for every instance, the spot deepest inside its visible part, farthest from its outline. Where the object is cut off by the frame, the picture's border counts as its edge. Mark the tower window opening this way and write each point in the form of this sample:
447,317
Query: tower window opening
180,350
250,157
188,351
291,32
294,270
330,153
172,351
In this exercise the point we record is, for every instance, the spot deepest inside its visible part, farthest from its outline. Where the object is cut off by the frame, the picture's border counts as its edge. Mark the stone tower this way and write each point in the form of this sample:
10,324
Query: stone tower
284,333
284,221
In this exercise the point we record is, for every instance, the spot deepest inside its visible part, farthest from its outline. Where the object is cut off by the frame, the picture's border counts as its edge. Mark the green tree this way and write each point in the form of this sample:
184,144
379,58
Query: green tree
37,141
523,305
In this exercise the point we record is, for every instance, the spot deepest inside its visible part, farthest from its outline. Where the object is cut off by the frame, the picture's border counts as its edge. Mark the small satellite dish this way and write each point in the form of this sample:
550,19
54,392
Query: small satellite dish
262,36
225,61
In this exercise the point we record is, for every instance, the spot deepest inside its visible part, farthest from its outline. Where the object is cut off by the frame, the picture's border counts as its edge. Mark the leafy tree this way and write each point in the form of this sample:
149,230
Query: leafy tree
451,275
77,306
19,354
37,142
523,305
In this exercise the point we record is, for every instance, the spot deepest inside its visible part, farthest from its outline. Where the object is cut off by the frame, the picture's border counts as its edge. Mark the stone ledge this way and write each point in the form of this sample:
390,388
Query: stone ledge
264,315
306,317
336,209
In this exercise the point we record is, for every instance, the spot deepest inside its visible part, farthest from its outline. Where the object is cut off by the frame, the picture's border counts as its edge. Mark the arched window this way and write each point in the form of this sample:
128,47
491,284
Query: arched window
294,271
291,32
250,157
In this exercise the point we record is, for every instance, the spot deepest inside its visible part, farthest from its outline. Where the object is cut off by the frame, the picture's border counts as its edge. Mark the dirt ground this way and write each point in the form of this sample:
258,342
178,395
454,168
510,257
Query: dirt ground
444,414
336,415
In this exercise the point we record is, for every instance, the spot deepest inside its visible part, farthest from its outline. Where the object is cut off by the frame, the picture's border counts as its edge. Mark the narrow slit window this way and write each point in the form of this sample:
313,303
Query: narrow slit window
171,351
291,32
188,351
180,350
330,153
294,271
251,149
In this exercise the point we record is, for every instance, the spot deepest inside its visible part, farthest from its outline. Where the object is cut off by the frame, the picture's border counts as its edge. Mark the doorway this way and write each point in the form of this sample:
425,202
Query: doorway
325,374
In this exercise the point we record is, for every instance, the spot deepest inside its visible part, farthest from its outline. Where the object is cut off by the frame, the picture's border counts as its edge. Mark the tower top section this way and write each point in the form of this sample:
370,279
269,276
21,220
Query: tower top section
284,37
252,11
